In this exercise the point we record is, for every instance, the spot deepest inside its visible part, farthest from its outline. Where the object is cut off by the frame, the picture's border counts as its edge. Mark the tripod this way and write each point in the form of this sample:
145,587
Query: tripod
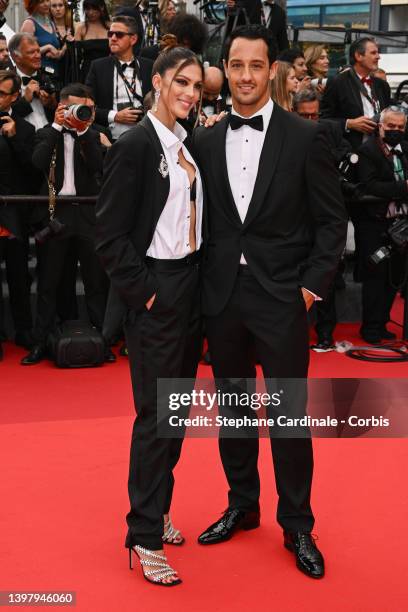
233,18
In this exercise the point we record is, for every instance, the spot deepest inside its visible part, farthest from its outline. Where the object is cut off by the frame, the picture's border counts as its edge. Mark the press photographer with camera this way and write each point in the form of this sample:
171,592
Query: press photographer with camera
38,94
16,146
120,81
69,153
383,168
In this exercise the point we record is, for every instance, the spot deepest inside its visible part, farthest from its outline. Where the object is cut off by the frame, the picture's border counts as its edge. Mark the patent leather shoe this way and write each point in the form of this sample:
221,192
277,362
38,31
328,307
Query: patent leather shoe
37,354
231,521
309,559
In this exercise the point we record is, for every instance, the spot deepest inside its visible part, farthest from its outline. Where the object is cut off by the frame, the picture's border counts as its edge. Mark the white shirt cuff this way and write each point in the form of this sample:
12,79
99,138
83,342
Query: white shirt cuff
316,297
57,127
111,116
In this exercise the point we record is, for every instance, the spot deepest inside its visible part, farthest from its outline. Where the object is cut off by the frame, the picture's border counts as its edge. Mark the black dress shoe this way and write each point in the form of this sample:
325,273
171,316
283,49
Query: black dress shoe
323,345
372,337
37,354
110,357
309,559
231,521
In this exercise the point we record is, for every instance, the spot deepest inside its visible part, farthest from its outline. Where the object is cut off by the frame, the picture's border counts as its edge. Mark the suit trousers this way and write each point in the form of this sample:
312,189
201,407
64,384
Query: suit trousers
257,323
15,254
378,292
163,342
51,263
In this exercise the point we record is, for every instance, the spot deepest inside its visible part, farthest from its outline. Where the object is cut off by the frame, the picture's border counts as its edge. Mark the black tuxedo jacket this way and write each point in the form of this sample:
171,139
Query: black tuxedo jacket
295,228
100,79
276,22
17,175
88,164
376,171
131,201
342,101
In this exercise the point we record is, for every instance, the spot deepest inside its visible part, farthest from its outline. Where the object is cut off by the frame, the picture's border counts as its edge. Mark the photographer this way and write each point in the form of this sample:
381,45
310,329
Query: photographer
73,146
16,145
306,104
38,96
383,168
120,81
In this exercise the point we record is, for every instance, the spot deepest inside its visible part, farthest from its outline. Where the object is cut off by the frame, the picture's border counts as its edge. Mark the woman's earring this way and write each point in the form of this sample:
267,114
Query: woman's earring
156,100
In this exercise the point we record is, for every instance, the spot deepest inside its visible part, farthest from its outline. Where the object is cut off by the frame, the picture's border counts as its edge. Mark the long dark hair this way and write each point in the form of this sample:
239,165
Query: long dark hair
180,57
101,6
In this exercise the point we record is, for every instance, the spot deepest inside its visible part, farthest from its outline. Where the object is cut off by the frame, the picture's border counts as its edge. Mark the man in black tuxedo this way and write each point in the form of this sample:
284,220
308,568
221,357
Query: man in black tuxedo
353,97
16,177
77,150
276,227
383,169
269,14
120,81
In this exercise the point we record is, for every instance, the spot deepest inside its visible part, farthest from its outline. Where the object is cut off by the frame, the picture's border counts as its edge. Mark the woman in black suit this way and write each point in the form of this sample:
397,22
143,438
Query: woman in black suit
149,218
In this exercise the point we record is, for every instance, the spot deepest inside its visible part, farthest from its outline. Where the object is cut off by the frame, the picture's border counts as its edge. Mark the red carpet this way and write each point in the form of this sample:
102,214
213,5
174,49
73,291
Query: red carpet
64,441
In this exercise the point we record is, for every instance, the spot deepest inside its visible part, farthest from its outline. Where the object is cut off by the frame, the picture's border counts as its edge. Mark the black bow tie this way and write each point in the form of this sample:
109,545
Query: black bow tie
254,122
397,152
129,65
25,79
70,132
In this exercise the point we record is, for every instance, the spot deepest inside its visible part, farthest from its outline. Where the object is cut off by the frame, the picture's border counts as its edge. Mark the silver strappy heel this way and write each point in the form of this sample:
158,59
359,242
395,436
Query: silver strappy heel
171,534
160,568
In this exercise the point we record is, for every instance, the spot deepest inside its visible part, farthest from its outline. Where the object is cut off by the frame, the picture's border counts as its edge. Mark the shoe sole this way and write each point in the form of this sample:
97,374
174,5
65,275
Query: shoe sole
290,548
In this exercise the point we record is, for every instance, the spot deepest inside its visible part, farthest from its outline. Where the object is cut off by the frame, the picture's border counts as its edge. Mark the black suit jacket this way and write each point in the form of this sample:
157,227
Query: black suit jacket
131,201
88,164
376,172
17,175
295,228
100,79
342,101
276,22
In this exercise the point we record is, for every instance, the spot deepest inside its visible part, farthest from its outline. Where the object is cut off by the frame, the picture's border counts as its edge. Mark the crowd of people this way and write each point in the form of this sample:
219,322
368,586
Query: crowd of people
112,67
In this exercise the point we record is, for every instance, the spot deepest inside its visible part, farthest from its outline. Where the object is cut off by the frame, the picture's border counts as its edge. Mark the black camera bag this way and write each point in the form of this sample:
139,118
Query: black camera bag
76,344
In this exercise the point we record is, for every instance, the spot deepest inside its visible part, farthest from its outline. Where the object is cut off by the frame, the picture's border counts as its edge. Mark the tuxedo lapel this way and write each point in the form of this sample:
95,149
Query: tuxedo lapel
107,74
267,164
162,183
355,90
220,170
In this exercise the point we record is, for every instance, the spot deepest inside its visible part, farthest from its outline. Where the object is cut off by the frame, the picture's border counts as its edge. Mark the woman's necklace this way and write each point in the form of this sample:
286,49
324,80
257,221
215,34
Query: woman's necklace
42,20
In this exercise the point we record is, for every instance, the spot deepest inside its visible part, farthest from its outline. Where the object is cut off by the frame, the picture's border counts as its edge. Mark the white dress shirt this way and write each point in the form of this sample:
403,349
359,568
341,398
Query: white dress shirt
243,148
267,12
117,129
68,186
37,118
171,238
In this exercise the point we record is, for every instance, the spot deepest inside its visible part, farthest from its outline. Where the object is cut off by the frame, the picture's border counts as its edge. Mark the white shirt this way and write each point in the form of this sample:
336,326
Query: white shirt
37,118
267,12
243,148
117,129
68,186
171,238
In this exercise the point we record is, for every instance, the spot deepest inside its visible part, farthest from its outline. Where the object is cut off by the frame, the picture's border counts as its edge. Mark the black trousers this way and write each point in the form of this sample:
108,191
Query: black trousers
15,254
255,323
51,262
163,342
378,292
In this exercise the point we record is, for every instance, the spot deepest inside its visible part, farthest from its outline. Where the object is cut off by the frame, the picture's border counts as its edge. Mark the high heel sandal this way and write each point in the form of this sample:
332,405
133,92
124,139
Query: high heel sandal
161,569
171,534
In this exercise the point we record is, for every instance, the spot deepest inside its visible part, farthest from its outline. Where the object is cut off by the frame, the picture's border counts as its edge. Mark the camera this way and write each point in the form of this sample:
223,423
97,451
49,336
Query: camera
398,235
80,112
53,228
48,81
350,189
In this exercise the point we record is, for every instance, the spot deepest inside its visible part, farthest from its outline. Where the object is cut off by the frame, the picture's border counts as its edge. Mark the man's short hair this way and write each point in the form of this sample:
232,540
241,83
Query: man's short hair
128,21
10,75
16,40
305,95
395,110
78,90
2,37
253,32
359,46
290,55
